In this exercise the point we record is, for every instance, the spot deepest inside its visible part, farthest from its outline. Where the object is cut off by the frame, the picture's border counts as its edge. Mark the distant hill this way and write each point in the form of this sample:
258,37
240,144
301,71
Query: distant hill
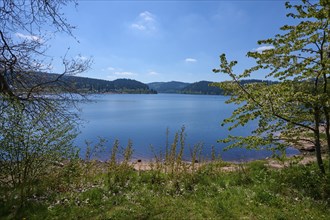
248,81
168,87
202,87
105,86
90,85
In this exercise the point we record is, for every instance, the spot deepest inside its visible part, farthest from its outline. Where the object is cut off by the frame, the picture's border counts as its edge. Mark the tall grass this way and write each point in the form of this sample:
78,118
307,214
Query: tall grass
173,188
119,168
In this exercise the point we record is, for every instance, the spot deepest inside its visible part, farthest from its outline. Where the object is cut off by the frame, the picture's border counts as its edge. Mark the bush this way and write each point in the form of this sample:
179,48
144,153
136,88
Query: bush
32,146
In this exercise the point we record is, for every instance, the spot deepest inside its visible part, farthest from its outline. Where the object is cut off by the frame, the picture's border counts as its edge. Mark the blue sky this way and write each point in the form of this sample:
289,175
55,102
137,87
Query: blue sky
154,41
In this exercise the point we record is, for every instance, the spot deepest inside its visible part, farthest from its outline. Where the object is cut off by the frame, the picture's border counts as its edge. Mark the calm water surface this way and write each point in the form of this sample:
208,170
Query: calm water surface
145,118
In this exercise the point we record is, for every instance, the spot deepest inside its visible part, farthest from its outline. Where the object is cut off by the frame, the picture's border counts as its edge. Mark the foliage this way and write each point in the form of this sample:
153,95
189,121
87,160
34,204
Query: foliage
37,125
29,150
119,172
299,103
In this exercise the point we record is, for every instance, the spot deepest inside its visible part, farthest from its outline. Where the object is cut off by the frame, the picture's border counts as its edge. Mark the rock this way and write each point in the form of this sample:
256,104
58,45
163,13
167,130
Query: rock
57,163
309,148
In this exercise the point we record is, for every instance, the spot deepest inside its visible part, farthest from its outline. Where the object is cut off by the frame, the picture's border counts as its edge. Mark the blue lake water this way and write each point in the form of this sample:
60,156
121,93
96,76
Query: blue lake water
144,119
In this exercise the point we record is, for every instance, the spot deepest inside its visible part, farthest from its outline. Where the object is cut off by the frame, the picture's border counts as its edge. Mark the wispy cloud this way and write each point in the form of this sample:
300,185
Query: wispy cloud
146,21
190,60
147,16
124,73
153,73
114,73
263,48
139,27
28,37
110,68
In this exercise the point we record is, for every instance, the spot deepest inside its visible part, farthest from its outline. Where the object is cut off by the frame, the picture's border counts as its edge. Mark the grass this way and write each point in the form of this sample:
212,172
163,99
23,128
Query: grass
252,192
172,189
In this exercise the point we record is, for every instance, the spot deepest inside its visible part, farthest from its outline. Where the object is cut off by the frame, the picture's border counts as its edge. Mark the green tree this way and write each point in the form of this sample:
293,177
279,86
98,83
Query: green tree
299,104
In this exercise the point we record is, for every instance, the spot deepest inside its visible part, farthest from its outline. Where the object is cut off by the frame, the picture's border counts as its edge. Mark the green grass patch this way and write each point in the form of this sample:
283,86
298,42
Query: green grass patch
253,191
172,189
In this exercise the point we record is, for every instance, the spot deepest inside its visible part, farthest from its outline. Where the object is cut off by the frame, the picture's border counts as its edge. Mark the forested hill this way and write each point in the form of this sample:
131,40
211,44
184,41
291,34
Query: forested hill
201,87
90,85
105,86
168,87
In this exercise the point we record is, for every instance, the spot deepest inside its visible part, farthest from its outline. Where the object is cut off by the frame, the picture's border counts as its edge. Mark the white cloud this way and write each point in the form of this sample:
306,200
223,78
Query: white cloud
124,73
139,27
110,68
117,72
29,37
153,73
145,22
147,16
263,48
190,60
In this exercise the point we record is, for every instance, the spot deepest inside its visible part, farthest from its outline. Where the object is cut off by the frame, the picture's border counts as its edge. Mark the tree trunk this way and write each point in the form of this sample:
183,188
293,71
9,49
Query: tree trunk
327,131
317,140
4,87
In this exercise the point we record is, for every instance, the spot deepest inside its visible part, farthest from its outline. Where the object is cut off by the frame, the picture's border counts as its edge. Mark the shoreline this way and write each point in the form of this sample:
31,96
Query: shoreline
227,166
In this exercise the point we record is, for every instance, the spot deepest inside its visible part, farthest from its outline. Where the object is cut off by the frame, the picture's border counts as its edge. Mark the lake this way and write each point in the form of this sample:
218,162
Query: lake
144,119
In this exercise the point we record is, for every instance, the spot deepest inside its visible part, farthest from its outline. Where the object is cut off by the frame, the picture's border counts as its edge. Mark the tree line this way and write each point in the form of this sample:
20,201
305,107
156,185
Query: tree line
201,87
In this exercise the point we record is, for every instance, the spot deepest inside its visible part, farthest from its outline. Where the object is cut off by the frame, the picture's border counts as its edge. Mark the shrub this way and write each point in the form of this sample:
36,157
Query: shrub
31,146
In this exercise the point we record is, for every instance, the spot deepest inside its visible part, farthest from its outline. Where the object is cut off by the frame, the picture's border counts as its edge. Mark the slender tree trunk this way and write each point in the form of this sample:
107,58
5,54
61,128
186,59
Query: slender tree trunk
326,108
317,140
318,151
4,87
325,70
327,131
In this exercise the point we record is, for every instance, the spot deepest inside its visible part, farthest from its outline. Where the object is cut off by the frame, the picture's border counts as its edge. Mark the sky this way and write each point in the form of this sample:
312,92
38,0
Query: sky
160,41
